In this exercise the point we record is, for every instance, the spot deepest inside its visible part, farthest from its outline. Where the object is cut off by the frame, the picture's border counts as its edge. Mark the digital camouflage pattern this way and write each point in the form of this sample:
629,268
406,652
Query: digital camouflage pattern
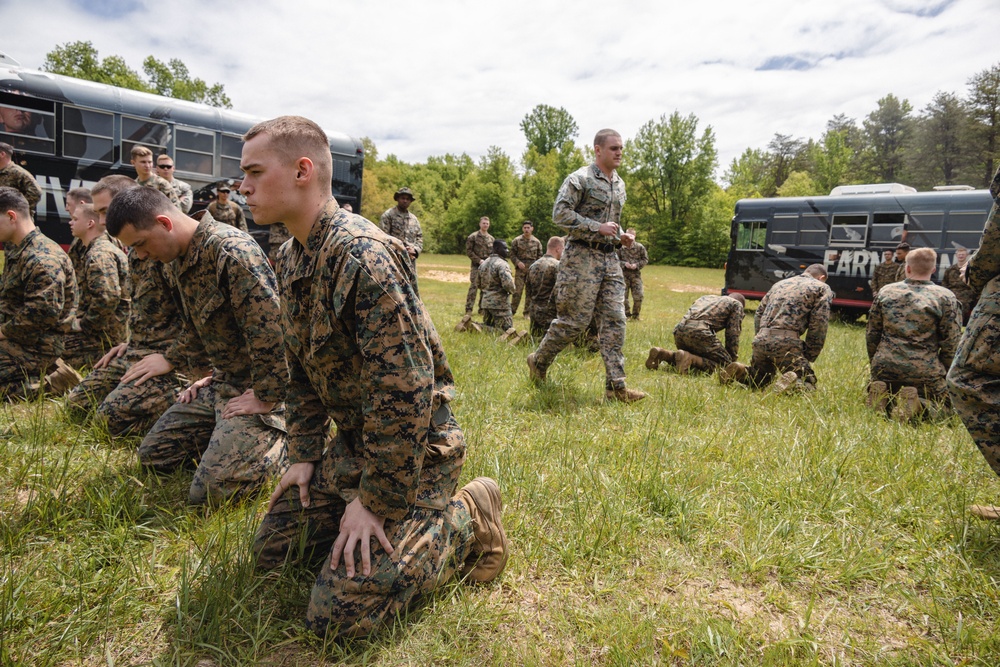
17,177
229,301
364,355
163,185
497,285
526,251
37,303
974,378
696,332
185,196
277,234
478,247
791,307
913,330
229,213
540,293
966,295
887,273
636,254
155,325
590,285
405,227
76,253
105,298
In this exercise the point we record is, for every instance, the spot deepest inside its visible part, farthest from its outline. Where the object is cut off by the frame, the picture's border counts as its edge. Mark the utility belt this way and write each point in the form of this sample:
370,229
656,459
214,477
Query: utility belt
780,333
603,247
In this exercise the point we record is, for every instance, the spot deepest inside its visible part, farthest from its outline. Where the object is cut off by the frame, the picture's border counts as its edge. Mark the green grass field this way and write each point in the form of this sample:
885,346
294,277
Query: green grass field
705,525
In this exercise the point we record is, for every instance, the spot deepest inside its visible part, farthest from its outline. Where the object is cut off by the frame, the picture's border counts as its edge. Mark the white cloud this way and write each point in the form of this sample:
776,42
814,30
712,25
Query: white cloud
455,76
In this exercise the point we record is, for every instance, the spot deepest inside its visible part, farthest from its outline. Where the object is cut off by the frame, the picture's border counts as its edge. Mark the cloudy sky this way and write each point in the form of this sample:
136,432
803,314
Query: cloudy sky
454,76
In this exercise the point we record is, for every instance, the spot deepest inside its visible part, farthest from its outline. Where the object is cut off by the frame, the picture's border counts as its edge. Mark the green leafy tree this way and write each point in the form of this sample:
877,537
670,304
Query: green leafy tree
831,160
81,60
749,175
887,133
706,239
939,152
984,109
799,184
547,128
668,169
543,176
787,154
492,190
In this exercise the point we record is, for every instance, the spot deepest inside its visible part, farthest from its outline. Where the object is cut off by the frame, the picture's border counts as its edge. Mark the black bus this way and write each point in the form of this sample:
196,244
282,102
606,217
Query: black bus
69,133
848,232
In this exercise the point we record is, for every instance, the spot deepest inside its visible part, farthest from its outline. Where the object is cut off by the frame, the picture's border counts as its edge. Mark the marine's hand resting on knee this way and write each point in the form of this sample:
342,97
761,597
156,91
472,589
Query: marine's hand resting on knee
246,404
149,366
191,392
357,527
112,354
298,474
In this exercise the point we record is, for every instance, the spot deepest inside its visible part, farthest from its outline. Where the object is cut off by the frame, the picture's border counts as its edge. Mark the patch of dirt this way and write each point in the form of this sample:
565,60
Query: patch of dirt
691,288
445,276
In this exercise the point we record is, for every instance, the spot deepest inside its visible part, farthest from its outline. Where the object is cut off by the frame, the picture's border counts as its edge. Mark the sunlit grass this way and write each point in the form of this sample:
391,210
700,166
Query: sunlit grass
706,525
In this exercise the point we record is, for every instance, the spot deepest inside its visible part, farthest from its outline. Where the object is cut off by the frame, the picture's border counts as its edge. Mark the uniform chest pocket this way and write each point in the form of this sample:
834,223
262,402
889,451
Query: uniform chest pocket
321,329
207,306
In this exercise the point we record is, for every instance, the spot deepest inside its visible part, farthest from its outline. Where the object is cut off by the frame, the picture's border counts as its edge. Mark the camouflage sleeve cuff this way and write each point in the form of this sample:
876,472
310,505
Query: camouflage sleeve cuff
305,448
383,502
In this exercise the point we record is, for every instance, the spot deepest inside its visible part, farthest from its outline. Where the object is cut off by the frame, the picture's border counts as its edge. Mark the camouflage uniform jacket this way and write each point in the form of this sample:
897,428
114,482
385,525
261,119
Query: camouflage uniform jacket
953,281
105,292
797,304
76,253
634,255
496,282
541,284
184,194
19,178
586,200
229,213
163,185
229,300
405,227
913,331
37,294
887,273
984,266
717,313
525,251
478,247
363,352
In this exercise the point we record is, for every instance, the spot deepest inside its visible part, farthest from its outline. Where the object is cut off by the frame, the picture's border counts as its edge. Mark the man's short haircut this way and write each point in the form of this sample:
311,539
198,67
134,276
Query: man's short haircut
137,207
527,222
903,246
922,260
6,148
816,270
114,185
739,297
163,155
87,212
555,242
602,137
12,200
81,195
485,217
293,137
140,151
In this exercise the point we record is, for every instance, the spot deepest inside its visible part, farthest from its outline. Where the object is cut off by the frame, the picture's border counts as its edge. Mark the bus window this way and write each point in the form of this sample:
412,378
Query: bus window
924,229
784,230
849,229
28,129
143,132
88,135
751,235
195,151
813,230
232,149
965,228
887,229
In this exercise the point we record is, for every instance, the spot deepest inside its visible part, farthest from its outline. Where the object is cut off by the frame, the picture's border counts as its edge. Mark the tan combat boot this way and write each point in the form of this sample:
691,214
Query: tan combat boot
658,355
734,371
907,406
878,397
786,382
534,372
684,360
517,338
474,326
464,322
989,512
62,379
508,333
624,395
481,497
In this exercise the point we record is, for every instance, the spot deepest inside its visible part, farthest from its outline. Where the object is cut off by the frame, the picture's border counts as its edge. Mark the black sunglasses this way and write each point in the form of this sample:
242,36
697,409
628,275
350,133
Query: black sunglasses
164,166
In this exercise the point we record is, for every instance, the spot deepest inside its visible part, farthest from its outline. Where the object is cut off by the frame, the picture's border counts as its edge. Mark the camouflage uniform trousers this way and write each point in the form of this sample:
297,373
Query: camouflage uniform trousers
777,351
520,278
633,284
19,366
589,288
498,318
470,298
84,349
429,546
974,378
541,318
124,407
234,455
697,338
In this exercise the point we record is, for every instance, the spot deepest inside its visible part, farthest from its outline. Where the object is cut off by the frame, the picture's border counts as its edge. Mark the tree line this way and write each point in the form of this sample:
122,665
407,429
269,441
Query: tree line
680,210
